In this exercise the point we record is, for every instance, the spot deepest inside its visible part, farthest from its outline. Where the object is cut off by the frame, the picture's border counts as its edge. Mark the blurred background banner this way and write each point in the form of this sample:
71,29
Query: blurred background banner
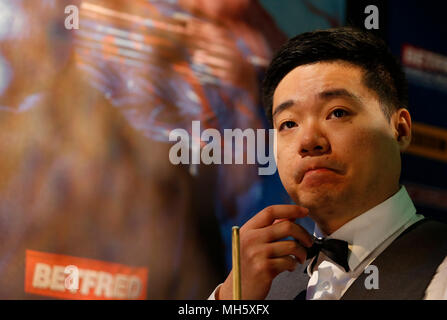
85,116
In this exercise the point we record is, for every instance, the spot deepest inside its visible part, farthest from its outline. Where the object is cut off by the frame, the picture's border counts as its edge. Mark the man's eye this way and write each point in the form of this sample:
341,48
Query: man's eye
287,125
338,113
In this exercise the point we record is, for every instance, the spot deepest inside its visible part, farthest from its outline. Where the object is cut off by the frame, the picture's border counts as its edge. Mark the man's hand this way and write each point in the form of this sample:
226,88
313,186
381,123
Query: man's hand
263,257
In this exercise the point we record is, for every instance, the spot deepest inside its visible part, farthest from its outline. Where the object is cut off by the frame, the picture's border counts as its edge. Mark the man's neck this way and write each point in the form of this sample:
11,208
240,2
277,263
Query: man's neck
329,222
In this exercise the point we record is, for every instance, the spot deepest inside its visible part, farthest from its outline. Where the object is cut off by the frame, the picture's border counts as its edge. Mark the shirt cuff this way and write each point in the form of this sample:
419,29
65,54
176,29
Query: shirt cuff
437,289
213,294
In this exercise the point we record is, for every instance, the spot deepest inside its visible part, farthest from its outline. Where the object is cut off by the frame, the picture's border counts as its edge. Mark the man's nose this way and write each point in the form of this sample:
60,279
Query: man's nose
312,141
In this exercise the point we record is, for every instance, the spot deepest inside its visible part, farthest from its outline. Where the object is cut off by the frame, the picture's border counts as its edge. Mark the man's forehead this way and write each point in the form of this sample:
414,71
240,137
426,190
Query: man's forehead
321,75
321,80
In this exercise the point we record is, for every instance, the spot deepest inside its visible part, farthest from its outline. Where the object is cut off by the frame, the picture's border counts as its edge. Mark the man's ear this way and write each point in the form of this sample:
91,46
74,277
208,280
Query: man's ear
401,121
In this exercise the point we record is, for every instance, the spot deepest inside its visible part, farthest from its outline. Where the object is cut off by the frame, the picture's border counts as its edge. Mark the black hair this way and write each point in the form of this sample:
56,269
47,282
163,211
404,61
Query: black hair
382,72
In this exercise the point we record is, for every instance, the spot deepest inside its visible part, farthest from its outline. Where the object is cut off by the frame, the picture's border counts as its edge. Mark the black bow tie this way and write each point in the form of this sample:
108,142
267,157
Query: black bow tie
336,250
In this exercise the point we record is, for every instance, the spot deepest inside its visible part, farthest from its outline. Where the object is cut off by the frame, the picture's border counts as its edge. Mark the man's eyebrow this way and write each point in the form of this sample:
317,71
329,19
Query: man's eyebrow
335,93
283,106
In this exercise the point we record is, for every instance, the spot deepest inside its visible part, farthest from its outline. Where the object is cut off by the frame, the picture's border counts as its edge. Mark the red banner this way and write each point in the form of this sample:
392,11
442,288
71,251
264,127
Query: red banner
68,277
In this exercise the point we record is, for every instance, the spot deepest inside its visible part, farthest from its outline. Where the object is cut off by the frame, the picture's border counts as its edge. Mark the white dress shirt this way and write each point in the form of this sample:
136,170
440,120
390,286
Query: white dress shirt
368,235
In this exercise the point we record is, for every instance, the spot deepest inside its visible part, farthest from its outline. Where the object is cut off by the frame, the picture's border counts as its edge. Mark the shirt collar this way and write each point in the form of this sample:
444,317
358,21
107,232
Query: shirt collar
367,231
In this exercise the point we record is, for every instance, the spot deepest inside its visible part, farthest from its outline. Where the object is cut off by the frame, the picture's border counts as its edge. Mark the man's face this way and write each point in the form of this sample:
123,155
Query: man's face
327,118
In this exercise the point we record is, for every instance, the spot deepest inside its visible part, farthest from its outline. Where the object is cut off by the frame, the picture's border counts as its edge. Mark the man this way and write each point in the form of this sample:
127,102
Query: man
337,99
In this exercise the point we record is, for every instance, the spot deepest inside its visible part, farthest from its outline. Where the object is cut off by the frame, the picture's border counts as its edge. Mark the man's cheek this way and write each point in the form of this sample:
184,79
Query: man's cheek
286,176
283,170
282,174
363,155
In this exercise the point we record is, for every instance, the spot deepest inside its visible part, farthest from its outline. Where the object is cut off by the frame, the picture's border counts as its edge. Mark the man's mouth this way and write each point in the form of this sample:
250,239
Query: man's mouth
314,171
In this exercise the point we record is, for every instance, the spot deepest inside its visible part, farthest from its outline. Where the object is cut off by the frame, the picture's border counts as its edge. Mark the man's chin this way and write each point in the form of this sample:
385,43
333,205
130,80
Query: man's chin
317,197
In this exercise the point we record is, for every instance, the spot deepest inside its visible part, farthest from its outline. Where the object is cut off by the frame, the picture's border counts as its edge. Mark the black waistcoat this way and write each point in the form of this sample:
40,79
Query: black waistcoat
405,267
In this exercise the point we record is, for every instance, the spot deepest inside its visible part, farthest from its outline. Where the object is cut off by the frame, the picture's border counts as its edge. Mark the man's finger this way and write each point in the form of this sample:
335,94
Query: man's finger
267,216
279,265
287,248
279,220
286,229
